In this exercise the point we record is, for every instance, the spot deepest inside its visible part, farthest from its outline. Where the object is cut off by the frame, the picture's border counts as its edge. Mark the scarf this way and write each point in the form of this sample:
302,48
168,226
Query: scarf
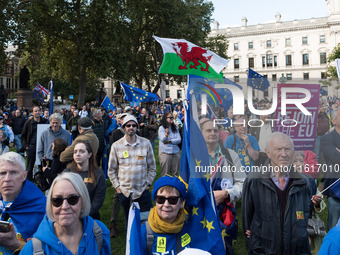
27,209
161,227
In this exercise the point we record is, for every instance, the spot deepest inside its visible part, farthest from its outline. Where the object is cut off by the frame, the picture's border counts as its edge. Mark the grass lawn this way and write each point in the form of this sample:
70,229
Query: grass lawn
118,243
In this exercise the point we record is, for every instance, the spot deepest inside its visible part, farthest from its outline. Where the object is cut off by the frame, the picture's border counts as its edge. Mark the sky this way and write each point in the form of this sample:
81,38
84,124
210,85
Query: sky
230,12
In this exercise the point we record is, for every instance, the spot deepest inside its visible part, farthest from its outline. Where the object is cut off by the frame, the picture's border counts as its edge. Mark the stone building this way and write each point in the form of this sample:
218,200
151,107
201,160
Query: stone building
297,49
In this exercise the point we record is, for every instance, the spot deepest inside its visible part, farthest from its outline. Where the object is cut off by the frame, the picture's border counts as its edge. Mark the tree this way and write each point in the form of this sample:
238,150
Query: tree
331,72
77,42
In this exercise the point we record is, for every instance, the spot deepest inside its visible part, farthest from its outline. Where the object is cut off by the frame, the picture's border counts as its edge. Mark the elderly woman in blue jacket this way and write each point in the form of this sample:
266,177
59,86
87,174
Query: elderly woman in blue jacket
68,229
165,229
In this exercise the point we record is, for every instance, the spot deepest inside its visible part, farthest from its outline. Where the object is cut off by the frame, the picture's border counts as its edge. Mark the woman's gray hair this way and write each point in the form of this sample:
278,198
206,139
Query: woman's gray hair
56,116
14,158
78,183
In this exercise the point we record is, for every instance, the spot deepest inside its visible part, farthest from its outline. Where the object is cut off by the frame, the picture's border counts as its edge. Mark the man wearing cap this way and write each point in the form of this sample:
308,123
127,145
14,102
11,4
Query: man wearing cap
29,139
85,134
128,110
132,167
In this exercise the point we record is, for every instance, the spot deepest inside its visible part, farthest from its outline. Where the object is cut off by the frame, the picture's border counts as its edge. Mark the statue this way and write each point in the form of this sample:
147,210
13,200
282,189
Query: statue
24,78
3,97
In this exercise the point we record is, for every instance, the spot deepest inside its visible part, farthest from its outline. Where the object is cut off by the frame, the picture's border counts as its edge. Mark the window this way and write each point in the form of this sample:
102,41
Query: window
251,62
323,58
179,93
236,78
265,93
305,59
167,93
274,77
289,77
288,42
322,39
236,63
269,43
306,76
263,61
304,40
250,45
269,60
275,60
235,46
288,60
323,75
8,83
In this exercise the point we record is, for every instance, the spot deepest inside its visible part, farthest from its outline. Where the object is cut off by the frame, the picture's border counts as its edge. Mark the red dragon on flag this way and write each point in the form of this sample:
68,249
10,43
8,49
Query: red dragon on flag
194,55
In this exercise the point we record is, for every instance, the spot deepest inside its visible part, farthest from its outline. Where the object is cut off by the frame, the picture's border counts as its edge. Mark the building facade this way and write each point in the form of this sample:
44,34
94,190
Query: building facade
9,79
297,50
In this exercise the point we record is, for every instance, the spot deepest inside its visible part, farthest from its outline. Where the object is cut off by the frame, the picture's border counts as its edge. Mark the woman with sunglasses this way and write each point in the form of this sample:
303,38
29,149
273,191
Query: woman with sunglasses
84,163
67,227
169,139
166,222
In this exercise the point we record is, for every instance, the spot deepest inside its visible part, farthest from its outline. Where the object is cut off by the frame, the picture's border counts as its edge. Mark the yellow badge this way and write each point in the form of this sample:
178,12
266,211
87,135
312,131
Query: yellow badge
140,157
125,154
185,239
88,180
246,160
161,244
299,215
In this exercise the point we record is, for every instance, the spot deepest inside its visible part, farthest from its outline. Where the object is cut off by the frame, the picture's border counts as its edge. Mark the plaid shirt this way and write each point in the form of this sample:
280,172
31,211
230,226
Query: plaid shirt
129,165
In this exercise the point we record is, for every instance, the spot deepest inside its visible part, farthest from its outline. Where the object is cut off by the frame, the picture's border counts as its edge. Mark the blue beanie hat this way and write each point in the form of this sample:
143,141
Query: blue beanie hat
169,181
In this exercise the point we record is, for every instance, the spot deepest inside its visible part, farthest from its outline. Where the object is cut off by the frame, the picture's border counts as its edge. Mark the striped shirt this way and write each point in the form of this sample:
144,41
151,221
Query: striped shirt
132,167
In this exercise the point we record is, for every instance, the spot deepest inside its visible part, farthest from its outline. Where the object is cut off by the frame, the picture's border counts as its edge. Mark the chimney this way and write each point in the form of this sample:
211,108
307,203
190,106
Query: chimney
216,25
244,22
278,17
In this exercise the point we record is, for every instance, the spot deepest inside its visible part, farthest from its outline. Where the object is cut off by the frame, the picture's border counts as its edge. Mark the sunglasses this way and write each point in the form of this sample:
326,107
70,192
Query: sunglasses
71,200
161,200
131,125
170,118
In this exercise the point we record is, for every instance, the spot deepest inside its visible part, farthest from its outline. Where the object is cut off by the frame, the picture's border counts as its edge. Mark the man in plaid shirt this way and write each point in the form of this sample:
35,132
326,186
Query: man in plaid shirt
132,168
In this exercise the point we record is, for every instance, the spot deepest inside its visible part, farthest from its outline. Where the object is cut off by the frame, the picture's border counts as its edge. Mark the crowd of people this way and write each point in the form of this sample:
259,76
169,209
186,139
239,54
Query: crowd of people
277,204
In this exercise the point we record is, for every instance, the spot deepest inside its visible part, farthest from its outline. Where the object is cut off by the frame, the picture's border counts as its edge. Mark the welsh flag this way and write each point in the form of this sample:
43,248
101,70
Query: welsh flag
182,57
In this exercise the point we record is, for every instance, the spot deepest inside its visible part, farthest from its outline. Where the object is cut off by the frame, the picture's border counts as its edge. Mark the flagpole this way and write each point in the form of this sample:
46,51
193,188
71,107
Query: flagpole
156,61
330,186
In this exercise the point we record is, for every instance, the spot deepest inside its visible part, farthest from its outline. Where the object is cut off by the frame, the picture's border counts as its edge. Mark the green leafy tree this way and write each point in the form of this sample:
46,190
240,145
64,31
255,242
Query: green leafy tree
331,72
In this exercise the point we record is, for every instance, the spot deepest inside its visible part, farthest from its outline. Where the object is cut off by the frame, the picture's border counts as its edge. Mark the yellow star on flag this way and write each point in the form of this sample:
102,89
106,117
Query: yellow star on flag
207,175
224,233
198,163
203,222
194,211
210,225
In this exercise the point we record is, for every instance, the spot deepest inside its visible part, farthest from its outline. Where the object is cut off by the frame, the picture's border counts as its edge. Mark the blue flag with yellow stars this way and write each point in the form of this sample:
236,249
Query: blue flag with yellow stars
133,94
108,105
216,97
257,81
203,222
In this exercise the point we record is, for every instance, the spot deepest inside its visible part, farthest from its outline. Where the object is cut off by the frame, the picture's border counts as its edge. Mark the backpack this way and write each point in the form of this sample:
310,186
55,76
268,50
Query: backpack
150,239
97,231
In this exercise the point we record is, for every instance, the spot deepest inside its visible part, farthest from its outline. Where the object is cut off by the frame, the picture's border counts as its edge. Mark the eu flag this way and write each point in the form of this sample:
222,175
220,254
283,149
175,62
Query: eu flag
257,81
203,223
323,92
133,235
107,104
133,94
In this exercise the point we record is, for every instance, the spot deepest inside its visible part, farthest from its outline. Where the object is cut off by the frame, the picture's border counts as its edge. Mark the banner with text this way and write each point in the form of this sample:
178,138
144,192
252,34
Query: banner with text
296,124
